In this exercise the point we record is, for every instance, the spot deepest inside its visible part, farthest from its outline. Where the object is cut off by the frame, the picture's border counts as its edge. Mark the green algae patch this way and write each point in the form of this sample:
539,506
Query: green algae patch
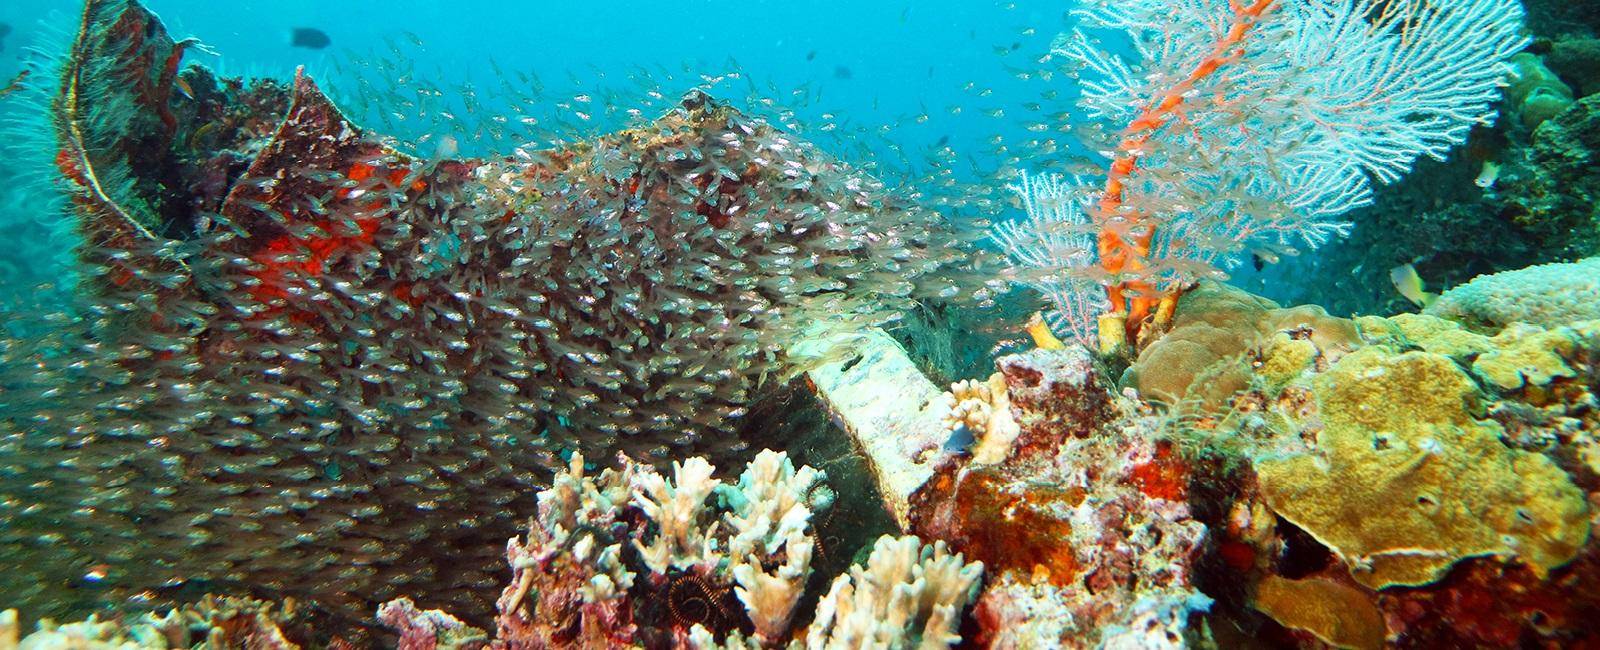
1404,481
1339,615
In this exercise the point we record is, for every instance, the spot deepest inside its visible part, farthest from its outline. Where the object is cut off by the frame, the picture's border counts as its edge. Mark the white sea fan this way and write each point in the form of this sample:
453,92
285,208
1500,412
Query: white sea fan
1270,149
1043,247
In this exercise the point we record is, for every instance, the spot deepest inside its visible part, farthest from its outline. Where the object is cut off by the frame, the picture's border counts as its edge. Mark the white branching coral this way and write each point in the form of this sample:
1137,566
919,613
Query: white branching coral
770,517
683,539
984,408
907,595
772,500
770,597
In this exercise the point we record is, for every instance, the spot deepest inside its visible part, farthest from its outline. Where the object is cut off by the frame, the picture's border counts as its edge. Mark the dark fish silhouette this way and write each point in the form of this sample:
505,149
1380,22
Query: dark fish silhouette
5,30
812,56
309,38
842,72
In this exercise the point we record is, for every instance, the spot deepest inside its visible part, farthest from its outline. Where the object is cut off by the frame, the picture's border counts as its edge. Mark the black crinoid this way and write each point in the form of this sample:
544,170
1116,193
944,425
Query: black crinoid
306,364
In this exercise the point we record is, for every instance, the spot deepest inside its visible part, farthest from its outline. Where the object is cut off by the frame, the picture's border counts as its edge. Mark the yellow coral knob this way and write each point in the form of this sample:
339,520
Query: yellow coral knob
1042,337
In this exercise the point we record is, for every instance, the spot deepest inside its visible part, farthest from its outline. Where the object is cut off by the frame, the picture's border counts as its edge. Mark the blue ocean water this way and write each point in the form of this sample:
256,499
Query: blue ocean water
874,63
906,88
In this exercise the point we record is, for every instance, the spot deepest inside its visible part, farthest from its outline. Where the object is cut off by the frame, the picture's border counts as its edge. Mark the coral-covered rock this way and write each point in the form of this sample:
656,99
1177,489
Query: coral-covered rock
1486,602
1085,525
1400,438
1577,60
1535,94
1549,295
1204,358
1055,395
430,629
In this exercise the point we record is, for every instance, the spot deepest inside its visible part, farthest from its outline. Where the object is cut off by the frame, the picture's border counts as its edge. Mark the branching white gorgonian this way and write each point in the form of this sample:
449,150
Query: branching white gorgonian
1051,251
1258,132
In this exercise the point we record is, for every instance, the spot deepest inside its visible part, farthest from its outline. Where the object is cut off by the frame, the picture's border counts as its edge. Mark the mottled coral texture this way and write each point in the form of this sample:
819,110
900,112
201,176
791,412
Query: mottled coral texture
1400,438
1549,295
1083,520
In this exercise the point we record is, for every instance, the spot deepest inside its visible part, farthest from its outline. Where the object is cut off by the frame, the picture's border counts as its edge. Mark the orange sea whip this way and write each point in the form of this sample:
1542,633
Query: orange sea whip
1119,253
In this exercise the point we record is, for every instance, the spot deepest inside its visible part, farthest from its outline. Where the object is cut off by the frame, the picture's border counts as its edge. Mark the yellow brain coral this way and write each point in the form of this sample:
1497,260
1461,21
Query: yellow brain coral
1404,481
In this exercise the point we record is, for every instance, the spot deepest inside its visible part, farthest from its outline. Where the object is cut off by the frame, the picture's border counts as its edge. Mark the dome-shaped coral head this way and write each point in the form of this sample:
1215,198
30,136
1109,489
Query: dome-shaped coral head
307,359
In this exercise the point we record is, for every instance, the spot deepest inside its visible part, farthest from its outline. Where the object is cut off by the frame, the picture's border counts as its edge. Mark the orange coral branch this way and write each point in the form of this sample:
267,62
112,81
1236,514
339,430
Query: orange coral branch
1125,249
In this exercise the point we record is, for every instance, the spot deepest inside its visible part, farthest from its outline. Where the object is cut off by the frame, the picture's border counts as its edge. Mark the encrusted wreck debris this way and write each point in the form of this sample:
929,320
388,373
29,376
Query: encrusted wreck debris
305,363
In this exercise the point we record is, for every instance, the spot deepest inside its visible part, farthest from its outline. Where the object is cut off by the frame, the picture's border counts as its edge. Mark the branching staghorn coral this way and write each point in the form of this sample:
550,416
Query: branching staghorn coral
770,514
1245,126
684,539
575,584
907,594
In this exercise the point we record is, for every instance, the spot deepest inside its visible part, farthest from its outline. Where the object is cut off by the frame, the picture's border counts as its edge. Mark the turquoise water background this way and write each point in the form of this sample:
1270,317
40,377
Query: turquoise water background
914,88
904,59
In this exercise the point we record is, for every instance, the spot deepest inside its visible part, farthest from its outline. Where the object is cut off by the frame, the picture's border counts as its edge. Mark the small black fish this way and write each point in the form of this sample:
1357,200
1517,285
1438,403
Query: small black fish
942,142
812,56
5,30
842,72
1257,261
309,38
